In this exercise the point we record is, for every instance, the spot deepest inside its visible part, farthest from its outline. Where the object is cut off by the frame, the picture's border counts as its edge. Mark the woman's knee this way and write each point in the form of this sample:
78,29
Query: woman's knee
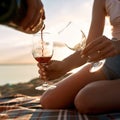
45,103
87,100
47,100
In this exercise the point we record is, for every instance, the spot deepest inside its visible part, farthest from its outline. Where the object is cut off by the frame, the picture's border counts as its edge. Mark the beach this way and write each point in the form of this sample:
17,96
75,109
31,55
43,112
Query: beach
15,78
17,73
25,87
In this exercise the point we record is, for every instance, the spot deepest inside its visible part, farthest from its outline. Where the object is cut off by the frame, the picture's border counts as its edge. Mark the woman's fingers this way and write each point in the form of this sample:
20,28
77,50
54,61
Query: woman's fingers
100,48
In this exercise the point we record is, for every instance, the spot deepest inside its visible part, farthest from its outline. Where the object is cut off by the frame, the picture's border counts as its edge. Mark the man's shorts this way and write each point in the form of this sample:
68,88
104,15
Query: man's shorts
112,67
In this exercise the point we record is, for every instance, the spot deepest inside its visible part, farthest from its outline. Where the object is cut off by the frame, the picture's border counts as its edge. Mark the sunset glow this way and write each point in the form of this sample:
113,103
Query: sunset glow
15,47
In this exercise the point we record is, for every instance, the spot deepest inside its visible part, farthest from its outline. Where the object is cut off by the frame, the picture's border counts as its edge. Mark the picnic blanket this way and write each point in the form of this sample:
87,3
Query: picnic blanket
22,107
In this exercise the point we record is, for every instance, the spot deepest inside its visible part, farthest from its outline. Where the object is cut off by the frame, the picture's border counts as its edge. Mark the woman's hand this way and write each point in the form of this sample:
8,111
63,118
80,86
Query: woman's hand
53,70
32,23
101,48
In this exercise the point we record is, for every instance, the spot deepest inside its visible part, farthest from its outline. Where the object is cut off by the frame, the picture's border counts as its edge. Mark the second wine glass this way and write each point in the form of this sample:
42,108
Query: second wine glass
75,39
42,52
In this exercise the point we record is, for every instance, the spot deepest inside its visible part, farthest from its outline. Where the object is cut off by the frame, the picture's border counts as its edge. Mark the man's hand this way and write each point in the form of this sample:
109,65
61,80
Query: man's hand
35,15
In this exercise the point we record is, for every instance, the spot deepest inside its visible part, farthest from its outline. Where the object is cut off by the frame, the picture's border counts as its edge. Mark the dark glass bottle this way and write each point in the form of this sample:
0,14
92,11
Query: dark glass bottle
12,12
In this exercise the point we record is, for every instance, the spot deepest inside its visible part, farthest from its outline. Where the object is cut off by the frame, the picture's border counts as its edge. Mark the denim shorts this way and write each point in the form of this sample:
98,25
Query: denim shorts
111,67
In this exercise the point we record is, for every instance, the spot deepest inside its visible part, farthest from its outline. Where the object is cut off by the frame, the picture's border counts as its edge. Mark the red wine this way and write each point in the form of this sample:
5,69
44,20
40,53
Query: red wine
43,59
42,41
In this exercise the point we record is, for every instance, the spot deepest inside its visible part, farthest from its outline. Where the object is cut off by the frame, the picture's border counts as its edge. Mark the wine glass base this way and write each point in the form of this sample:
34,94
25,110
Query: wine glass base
96,66
45,87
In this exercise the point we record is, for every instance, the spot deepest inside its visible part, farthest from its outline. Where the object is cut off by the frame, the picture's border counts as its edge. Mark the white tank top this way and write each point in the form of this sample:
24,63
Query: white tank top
113,11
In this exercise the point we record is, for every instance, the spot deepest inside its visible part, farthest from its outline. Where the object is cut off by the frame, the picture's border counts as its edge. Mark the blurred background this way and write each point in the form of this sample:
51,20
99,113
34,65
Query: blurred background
16,62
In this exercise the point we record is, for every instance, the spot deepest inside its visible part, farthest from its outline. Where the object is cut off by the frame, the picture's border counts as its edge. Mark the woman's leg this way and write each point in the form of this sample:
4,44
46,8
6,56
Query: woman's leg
64,94
99,97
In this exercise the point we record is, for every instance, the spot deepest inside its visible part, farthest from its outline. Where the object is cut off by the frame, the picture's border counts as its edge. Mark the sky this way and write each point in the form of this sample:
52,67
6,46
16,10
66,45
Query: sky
15,46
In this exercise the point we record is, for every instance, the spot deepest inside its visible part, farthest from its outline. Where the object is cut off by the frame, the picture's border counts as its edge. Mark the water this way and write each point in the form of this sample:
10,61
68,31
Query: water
13,74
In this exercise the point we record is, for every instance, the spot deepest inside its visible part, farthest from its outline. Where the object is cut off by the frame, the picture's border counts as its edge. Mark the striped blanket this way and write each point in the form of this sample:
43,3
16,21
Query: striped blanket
22,107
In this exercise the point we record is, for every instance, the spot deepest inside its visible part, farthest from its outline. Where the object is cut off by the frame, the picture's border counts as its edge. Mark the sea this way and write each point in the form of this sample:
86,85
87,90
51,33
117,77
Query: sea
12,74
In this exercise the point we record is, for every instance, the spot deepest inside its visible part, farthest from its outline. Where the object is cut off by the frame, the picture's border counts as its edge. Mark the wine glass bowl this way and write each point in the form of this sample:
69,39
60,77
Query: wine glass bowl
78,44
72,36
42,52
97,65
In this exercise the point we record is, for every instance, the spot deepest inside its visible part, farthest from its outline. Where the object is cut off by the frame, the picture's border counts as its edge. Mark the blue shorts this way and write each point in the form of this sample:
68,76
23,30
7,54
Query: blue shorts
111,68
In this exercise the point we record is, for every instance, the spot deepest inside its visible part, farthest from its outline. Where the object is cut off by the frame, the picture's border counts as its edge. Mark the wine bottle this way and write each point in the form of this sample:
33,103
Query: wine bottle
12,12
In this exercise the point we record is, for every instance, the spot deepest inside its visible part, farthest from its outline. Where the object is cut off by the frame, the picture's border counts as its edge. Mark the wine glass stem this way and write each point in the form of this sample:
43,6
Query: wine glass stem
45,80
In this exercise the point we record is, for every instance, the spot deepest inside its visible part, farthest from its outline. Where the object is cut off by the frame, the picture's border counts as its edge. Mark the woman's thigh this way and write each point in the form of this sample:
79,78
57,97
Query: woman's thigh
68,88
99,97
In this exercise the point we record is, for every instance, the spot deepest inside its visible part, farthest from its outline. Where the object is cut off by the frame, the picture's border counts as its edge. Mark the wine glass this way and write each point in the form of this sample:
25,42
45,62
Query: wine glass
42,52
75,39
